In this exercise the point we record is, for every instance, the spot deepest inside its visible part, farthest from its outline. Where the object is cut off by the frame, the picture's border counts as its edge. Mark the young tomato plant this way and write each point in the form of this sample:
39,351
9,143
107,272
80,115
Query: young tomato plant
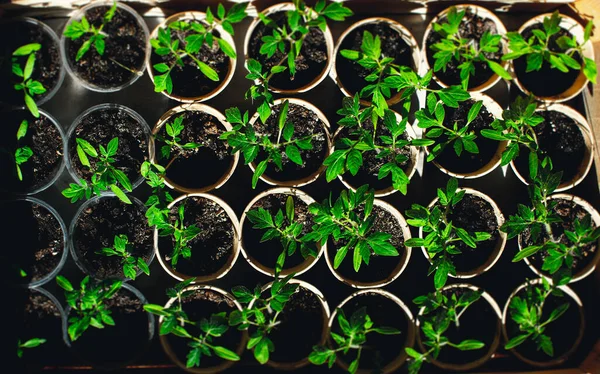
442,236
173,147
131,264
31,343
353,337
180,233
29,86
96,37
22,154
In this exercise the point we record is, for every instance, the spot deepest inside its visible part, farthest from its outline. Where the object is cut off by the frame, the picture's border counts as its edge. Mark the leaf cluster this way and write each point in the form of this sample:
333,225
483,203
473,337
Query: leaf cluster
78,29
181,233
172,141
22,154
131,263
28,85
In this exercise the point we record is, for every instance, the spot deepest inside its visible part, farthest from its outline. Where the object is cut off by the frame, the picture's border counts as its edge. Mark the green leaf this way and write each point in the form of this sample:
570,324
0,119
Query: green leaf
22,131
354,161
209,72
64,283
120,194
32,343
29,67
499,69
27,49
82,156
526,252
83,49
289,209
260,169
32,106
112,146
469,345
283,114
225,353
226,48
293,154
474,111
193,358
350,54
589,69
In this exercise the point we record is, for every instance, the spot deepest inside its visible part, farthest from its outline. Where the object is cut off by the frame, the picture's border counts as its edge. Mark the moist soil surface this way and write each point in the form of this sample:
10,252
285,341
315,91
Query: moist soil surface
124,45
570,212
44,140
188,80
467,162
47,60
212,248
200,305
472,27
561,139
40,239
200,167
350,73
537,82
380,267
368,172
266,253
380,350
96,228
306,123
310,63
99,128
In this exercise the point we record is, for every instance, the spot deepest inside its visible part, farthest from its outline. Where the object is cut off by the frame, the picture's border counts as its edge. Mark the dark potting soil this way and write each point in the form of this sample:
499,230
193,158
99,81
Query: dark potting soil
380,267
44,140
97,227
40,241
125,44
351,74
368,172
99,128
266,253
467,162
310,63
561,139
212,248
201,305
188,80
47,60
201,167
380,350
537,82
472,27
305,123
570,212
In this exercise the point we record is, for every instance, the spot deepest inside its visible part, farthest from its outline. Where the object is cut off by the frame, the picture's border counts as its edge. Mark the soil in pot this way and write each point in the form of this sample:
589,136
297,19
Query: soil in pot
351,74
96,228
467,162
47,60
212,248
44,140
125,45
561,139
380,350
310,63
380,267
100,127
39,237
472,27
306,123
188,80
201,167
536,82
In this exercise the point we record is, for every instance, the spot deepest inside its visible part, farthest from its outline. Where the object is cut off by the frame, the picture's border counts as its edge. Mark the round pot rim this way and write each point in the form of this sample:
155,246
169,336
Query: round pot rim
555,361
326,127
78,14
172,113
410,336
403,259
235,251
500,243
298,270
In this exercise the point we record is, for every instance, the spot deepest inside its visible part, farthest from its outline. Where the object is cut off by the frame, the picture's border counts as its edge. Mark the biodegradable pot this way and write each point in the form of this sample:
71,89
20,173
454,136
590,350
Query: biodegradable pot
42,241
47,141
218,242
98,125
490,151
371,179
299,176
206,301
298,318
408,55
557,142
379,304
48,69
574,81
319,61
485,263
489,21
95,226
129,338
476,317
274,200
205,120
568,334
189,84
574,208
384,269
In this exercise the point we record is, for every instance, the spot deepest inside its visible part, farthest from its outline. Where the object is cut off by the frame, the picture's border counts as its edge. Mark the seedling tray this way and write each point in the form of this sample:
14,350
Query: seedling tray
502,185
